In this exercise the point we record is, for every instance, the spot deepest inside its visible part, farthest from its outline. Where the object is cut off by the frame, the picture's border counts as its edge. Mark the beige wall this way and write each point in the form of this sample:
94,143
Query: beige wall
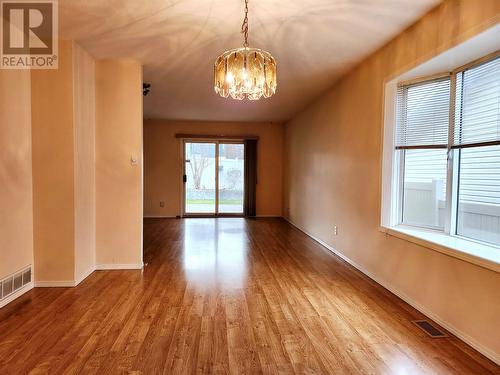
16,212
48,168
63,122
118,183
163,166
87,196
53,169
84,150
333,177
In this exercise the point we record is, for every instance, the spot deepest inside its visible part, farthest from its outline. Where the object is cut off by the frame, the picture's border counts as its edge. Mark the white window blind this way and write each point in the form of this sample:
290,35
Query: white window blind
422,139
477,114
477,136
448,167
423,115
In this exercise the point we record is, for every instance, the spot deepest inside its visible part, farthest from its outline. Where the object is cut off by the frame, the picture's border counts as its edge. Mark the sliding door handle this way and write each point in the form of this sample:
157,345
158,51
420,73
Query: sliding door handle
184,178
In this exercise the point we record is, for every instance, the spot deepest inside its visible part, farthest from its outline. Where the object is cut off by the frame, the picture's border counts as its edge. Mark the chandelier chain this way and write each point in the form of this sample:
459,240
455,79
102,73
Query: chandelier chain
244,26
245,72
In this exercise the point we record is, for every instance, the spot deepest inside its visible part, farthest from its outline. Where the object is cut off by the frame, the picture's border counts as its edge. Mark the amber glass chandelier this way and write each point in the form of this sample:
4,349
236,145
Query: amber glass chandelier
245,72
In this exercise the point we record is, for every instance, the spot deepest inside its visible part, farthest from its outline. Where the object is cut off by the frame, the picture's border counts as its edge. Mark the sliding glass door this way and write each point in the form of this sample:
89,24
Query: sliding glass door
214,173
231,178
200,178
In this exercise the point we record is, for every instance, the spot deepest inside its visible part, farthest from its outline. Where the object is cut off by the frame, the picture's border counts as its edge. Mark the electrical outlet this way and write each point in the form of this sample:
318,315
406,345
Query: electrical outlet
335,230
162,204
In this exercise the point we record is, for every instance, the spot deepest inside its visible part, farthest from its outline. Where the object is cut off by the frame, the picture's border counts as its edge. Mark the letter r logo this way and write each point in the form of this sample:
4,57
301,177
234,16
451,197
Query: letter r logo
27,28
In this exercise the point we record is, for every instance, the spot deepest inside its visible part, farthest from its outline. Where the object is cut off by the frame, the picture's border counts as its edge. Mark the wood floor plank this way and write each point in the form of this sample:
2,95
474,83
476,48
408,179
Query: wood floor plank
226,296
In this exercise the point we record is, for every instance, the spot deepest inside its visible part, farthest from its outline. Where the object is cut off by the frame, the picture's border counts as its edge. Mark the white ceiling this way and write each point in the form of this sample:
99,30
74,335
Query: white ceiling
313,41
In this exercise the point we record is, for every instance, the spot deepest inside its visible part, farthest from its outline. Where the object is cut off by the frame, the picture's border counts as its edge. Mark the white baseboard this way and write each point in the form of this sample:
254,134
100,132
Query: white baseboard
495,357
55,284
73,283
174,217
126,266
18,293
84,275
158,217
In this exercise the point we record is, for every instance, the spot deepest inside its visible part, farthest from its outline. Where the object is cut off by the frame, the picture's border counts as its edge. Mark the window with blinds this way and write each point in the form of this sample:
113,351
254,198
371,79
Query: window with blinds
476,139
422,140
477,110
442,158
423,114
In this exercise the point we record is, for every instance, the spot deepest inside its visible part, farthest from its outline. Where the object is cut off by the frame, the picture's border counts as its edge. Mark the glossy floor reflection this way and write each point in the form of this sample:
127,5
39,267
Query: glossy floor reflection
225,296
215,252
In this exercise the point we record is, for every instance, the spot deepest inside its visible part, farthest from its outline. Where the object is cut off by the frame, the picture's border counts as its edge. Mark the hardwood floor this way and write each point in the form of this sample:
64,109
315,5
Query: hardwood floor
226,296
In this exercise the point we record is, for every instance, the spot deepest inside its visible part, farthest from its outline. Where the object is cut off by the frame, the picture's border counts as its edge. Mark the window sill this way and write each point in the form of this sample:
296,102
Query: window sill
469,251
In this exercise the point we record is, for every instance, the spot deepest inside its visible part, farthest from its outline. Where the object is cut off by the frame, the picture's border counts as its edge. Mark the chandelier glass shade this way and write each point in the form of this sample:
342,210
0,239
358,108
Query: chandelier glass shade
245,73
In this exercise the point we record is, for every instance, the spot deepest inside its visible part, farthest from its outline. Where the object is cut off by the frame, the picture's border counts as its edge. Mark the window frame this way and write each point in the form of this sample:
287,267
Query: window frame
400,156
455,154
394,161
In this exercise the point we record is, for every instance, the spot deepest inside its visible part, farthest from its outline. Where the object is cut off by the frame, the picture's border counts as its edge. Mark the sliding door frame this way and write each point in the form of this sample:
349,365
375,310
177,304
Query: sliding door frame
216,142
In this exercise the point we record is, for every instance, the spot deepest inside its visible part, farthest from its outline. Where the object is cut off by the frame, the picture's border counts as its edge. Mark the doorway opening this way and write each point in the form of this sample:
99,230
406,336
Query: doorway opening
214,178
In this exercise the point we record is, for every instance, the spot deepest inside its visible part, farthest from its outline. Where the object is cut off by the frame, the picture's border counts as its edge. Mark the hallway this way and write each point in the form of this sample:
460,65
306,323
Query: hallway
226,296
